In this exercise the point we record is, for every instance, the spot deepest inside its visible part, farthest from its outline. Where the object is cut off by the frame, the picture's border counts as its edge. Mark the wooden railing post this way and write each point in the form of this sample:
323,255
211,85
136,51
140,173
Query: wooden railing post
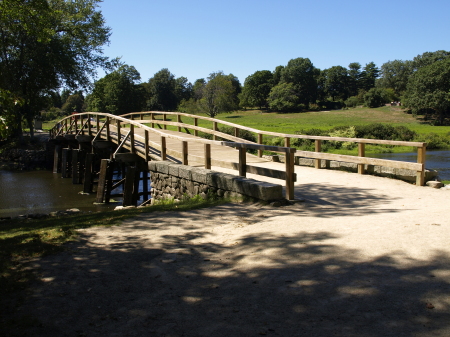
196,124
81,123
260,140
146,146
184,152
119,136
317,148
243,161
164,119
207,156
89,125
163,148
97,122
287,142
361,153
178,121
108,133
132,139
290,173
151,118
236,132
215,129
76,126
421,158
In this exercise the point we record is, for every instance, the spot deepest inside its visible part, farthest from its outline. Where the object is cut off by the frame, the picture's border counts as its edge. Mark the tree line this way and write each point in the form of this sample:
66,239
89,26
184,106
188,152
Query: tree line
421,84
50,51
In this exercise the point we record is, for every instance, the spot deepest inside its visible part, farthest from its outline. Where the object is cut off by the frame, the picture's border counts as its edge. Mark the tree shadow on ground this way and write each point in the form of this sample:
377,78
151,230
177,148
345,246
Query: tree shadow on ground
143,278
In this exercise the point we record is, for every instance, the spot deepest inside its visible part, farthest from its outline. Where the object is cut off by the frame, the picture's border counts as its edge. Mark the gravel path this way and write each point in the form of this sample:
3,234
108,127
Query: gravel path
361,256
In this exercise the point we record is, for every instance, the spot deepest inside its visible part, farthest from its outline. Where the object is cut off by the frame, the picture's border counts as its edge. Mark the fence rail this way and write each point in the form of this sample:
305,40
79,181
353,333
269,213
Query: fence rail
361,159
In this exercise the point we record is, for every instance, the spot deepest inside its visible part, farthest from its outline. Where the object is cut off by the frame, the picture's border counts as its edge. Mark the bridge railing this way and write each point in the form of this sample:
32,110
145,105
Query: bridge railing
361,159
122,131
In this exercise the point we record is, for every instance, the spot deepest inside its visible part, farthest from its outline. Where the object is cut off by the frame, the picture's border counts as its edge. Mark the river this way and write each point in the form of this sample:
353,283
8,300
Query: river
29,192
435,160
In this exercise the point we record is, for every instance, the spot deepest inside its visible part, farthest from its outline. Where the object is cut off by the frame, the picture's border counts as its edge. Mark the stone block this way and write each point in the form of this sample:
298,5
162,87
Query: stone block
162,167
185,172
173,169
200,174
152,166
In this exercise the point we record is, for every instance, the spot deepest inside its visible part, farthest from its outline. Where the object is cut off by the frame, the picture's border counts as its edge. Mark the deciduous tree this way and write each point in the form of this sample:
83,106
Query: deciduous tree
47,44
429,88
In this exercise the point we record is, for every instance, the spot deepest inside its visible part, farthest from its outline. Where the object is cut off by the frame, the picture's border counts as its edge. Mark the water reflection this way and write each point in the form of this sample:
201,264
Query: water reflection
435,160
28,192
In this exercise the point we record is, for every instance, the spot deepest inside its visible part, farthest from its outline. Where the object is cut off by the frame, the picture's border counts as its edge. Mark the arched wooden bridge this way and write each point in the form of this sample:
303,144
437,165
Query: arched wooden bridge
156,135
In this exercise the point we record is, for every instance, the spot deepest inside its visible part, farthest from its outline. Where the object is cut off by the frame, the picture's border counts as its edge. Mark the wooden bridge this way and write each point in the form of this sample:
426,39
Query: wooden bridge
176,137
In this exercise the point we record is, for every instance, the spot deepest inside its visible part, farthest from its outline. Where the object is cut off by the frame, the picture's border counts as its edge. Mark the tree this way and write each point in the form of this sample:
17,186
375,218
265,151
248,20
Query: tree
277,75
183,89
45,45
118,92
218,95
283,97
395,74
72,104
162,91
429,88
429,58
336,84
302,74
354,73
368,76
376,97
257,88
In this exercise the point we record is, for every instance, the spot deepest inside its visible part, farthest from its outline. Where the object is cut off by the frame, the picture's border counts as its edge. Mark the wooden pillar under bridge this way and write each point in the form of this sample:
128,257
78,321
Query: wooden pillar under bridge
75,166
88,174
65,163
57,158
104,181
145,180
129,186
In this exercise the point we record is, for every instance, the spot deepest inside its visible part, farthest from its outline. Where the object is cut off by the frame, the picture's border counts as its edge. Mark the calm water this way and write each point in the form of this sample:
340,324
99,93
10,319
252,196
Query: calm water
436,160
29,192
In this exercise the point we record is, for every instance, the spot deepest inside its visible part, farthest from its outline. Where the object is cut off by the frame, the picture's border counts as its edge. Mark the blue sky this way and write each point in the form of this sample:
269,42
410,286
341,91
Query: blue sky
195,38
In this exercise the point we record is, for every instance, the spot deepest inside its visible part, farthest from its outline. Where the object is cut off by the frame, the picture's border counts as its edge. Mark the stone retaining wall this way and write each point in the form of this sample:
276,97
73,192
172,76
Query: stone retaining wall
170,180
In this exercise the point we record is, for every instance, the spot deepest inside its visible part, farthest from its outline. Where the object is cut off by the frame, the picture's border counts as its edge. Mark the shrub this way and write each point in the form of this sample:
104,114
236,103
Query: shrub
376,97
352,102
384,131
348,132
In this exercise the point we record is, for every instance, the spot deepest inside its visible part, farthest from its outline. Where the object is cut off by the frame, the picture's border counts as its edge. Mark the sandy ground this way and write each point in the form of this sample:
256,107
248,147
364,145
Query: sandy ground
361,256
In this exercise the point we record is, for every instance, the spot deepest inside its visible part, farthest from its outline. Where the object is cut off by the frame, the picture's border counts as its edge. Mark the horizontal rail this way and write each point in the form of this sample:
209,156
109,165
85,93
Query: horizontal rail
284,135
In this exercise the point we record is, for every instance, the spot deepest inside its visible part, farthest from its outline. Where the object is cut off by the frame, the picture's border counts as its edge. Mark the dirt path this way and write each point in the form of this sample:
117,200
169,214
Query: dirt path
362,256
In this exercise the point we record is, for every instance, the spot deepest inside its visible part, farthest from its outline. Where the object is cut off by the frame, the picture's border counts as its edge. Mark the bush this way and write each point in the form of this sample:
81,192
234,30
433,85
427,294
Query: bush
376,97
435,141
348,132
385,131
352,102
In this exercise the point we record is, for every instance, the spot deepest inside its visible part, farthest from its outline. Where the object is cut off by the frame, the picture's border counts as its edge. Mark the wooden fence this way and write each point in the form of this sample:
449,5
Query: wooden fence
361,160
